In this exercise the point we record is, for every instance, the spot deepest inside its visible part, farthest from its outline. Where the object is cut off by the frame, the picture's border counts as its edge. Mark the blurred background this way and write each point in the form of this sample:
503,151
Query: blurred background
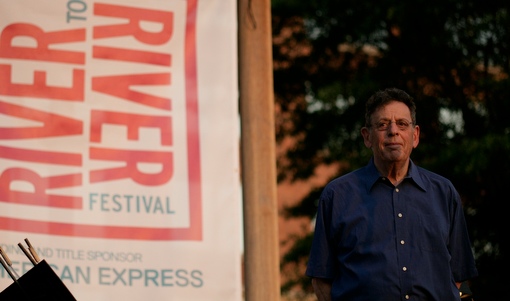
452,56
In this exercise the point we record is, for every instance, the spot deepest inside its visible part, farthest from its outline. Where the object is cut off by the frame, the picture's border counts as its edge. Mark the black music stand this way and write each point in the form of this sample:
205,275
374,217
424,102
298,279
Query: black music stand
40,283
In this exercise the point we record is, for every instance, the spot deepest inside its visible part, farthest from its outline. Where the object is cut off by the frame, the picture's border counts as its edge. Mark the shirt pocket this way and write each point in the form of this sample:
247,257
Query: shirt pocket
430,233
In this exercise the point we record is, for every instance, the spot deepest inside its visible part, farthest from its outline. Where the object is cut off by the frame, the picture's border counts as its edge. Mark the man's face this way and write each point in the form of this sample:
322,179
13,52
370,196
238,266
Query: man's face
391,136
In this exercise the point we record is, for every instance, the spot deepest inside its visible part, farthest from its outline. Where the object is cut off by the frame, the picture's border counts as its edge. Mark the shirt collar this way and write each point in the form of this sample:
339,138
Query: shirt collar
373,175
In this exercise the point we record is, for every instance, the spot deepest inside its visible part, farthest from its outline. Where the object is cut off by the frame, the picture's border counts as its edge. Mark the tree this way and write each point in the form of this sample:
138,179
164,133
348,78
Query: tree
452,56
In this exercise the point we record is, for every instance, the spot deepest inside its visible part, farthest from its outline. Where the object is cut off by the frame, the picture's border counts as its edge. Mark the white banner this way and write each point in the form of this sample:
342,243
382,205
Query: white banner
119,146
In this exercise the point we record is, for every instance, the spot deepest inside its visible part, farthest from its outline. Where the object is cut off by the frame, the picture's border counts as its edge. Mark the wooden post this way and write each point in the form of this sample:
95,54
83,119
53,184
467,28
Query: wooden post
261,249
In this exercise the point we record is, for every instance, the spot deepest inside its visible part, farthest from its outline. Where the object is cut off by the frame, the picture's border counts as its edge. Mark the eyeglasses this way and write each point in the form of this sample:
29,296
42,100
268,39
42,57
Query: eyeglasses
383,125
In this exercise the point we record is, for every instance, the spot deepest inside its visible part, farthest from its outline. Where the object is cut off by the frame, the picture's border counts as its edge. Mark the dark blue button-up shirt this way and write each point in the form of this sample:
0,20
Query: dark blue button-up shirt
377,241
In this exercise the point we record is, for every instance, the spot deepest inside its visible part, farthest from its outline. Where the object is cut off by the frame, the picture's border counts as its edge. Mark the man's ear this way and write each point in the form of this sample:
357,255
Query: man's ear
365,132
416,136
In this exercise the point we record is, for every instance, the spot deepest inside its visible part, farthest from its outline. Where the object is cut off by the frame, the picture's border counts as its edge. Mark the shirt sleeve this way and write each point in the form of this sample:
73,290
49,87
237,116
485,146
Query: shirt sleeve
463,263
321,262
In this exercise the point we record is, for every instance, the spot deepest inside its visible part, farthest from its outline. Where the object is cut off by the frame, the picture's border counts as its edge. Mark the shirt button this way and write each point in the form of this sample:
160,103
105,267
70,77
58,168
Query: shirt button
400,215
407,297
396,189
404,269
402,242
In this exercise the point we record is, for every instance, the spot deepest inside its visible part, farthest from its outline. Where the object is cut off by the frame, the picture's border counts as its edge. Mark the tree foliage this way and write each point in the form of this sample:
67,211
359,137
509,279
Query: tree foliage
451,56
